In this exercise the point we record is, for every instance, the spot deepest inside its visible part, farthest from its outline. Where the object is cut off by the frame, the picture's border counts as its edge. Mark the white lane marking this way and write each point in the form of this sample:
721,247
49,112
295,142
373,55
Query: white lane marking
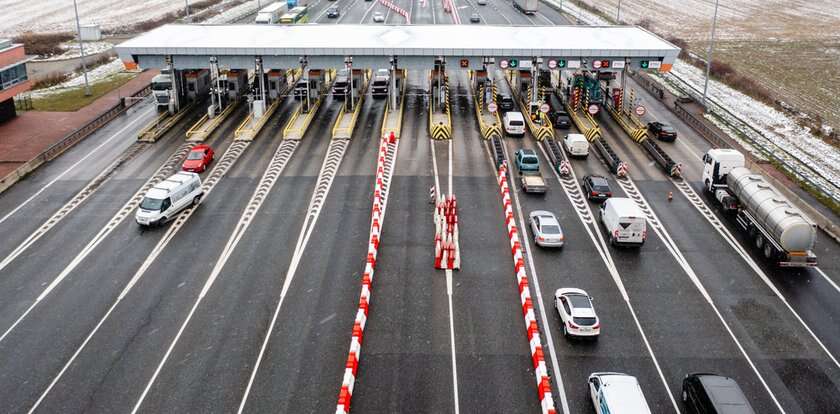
435,170
127,208
451,187
732,241
223,165
330,166
452,340
601,246
828,279
523,228
72,167
627,184
432,4
546,19
364,16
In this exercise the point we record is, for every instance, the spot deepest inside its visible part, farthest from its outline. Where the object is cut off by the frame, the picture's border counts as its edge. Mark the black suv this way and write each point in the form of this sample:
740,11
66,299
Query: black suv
505,102
597,188
560,119
332,12
713,394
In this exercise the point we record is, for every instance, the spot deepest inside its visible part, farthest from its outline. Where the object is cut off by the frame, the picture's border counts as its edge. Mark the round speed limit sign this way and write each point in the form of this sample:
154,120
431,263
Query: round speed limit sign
544,108
552,64
492,107
503,64
640,110
593,109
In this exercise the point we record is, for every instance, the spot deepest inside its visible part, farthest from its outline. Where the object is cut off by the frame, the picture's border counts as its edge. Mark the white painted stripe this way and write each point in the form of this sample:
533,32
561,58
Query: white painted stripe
452,341
72,167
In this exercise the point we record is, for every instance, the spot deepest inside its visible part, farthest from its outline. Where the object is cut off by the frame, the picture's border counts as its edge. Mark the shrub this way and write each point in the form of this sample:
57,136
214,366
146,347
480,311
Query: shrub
43,44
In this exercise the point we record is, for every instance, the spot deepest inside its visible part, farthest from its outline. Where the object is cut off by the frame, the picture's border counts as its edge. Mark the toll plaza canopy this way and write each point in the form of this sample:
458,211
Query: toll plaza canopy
415,46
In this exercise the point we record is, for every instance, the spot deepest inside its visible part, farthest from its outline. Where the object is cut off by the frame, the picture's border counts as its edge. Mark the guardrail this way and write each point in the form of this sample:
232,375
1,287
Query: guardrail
789,162
71,139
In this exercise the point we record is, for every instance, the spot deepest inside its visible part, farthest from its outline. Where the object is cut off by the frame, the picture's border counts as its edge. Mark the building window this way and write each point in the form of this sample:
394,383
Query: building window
12,76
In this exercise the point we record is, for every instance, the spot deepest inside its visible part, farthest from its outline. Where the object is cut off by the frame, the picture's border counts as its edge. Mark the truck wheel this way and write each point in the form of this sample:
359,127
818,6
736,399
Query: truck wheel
768,251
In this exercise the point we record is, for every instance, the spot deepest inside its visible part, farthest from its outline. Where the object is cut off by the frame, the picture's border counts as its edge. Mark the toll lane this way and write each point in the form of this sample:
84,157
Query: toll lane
316,317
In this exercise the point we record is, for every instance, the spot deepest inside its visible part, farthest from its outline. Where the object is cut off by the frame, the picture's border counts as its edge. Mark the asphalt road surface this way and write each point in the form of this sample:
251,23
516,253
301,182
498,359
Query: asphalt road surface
247,303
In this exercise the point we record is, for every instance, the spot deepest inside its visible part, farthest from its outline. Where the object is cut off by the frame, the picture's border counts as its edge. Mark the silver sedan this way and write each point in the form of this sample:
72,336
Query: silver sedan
546,229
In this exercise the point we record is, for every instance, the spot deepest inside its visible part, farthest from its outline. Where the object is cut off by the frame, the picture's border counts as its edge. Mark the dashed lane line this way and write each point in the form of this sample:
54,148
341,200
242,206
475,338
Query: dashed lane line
329,169
72,167
226,161
564,401
278,163
630,189
77,200
707,214
575,196
165,170
452,341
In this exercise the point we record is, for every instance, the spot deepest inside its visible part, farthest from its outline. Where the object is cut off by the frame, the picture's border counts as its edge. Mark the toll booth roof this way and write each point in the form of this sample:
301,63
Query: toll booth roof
389,40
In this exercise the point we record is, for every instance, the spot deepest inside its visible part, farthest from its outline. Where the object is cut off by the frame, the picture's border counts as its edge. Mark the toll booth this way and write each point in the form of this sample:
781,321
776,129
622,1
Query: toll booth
235,82
276,81
198,83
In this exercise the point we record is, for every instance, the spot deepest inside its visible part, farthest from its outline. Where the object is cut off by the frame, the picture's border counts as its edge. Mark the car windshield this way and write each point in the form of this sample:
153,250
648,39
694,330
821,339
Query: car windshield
579,301
550,229
195,155
151,204
584,321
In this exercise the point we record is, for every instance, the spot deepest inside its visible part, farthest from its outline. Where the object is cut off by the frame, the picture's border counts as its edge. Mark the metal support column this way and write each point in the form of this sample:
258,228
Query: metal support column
440,83
216,95
348,64
303,75
393,89
175,92
535,73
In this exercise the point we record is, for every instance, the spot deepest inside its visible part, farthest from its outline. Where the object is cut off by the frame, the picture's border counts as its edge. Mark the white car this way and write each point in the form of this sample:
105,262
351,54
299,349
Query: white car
546,229
577,313
378,17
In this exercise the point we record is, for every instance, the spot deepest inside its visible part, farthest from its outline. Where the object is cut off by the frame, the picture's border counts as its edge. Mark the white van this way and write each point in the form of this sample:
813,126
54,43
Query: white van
163,201
576,145
514,123
624,221
616,393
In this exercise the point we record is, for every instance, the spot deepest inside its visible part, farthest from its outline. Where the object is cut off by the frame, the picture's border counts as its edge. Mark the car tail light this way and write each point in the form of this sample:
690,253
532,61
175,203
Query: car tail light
571,325
597,325
644,234
594,194
541,238
615,234
609,194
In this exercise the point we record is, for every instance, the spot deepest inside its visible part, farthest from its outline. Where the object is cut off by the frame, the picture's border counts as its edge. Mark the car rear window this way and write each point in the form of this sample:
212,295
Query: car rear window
584,321
516,123
551,229
530,160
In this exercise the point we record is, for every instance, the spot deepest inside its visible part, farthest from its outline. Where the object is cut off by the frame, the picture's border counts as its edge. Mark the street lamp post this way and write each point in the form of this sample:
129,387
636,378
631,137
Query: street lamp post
618,13
81,49
709,54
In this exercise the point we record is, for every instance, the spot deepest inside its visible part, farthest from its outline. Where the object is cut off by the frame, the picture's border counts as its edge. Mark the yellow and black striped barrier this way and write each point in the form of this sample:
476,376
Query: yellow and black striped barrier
441,129
586,124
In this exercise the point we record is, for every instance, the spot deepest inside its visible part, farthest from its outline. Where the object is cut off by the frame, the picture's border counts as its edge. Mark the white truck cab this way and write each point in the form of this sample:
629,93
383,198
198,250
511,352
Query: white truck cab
514,123
617,393
168,197
576,145
717,163
624,221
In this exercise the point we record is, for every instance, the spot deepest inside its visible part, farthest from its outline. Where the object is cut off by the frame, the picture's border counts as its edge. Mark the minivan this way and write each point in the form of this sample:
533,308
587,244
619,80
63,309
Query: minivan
617,393
576,145
713,394
168,197
514,124
624,221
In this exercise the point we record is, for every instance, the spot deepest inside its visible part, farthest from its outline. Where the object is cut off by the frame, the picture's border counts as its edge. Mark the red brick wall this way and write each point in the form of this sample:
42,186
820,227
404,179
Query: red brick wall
12,55
14,90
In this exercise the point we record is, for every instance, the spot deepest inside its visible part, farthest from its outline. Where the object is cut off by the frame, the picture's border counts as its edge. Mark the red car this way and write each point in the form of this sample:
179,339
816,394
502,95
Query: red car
198,159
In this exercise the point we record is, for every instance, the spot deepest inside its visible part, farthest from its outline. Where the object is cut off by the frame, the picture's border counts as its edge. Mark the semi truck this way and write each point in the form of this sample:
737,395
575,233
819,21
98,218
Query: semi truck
777,229
271,14
161,89
526,6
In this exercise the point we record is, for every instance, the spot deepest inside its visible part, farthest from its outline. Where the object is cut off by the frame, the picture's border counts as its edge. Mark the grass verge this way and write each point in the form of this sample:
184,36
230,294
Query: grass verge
74,99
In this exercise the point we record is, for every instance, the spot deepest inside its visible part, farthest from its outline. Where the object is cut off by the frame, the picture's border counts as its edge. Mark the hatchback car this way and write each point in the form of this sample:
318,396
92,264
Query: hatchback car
475,18
526,160
332,12
560,119
198,159
546,229
596,187
710,393
378,17
577,313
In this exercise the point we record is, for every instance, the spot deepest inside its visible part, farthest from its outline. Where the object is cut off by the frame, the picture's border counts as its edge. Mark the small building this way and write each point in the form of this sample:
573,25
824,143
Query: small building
13,78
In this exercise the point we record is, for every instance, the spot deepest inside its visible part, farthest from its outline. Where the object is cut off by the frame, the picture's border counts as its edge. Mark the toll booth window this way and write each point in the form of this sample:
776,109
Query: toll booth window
272,85
232,86
191,87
